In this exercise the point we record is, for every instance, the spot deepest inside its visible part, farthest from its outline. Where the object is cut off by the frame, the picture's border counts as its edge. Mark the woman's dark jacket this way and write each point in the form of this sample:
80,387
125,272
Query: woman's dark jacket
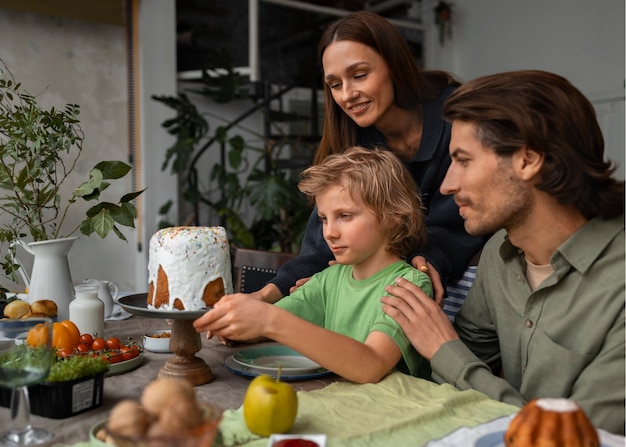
449,247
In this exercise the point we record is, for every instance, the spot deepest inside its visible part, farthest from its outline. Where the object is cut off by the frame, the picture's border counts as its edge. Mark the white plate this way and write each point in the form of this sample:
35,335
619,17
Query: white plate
491,434
320,440
248,371
268,359
495,439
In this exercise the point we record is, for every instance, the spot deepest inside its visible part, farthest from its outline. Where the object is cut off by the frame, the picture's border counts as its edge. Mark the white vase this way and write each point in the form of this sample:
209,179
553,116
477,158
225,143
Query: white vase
50,278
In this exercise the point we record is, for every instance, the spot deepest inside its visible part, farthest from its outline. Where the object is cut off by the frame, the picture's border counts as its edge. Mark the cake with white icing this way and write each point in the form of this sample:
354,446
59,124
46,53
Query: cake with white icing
189,268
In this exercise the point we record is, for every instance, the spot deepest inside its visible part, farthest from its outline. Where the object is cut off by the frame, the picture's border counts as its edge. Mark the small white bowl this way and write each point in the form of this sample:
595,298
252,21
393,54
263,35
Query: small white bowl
157,341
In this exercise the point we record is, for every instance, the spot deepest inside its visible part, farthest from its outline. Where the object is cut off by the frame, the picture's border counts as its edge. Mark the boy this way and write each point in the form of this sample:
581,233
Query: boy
372,219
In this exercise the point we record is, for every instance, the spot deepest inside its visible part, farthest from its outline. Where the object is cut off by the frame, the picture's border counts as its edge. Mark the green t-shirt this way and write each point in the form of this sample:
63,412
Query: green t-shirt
333,299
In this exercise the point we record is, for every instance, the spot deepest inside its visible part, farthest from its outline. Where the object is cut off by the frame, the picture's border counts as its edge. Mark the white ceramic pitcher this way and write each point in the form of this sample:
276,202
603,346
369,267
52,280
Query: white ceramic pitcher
50,278
107,292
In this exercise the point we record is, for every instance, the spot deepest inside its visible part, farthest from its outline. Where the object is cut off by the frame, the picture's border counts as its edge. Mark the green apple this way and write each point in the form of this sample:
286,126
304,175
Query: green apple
269,406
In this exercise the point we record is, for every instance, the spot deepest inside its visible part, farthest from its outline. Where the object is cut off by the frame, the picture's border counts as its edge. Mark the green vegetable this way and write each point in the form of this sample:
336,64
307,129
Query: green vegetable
76,367
22,356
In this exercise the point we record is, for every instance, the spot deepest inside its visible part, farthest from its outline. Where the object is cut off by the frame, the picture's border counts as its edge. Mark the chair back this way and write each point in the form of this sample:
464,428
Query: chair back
254,268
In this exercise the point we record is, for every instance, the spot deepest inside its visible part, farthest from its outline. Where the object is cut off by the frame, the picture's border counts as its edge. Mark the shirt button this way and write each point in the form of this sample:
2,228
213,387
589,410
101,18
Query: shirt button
528,323
519,278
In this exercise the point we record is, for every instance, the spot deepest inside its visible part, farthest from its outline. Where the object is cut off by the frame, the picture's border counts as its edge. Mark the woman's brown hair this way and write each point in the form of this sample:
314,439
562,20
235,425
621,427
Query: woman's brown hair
412,85
545,112
384,184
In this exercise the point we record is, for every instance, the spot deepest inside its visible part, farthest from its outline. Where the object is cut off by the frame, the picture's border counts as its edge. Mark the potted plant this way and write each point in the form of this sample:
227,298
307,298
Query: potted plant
80,362
39,149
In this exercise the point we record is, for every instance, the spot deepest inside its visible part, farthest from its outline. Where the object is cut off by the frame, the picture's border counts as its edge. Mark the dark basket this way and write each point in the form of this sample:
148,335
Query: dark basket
59,400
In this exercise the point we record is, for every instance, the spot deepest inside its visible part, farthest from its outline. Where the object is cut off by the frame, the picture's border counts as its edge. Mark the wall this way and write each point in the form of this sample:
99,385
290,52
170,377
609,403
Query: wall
76,61
579,39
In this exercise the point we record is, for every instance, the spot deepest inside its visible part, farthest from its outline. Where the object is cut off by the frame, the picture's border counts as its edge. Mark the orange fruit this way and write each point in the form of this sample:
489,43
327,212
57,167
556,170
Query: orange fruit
73,329
62,337
37,335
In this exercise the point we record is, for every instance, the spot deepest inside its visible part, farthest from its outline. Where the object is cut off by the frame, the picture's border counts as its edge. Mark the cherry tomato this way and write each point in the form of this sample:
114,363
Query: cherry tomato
114,343
98,344
65,352
131,354
87,339
128,348
116,358
82,347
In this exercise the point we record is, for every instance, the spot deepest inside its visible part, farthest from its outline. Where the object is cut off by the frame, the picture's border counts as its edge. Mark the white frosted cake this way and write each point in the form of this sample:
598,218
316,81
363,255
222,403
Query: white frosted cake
188,268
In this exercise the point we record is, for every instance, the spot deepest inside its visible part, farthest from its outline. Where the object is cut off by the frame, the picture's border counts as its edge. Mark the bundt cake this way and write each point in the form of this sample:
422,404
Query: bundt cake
551,422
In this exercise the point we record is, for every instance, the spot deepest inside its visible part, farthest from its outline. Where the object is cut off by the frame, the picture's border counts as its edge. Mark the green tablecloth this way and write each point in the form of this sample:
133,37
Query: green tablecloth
399,411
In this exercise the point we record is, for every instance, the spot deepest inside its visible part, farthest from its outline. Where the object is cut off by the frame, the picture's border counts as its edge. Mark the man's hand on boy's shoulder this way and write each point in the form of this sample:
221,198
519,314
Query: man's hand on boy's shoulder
424,323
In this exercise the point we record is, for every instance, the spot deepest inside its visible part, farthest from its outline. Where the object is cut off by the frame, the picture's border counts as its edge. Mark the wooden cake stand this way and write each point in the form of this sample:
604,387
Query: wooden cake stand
185,341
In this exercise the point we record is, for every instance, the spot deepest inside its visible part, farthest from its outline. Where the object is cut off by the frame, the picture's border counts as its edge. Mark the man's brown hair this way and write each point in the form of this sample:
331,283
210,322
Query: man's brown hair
546,113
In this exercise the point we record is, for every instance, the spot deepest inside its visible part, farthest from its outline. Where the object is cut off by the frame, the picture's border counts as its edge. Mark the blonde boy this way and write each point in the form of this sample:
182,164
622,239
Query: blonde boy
372,218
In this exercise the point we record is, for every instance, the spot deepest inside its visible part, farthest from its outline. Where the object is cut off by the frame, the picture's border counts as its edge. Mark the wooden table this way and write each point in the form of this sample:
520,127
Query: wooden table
225,390
415,414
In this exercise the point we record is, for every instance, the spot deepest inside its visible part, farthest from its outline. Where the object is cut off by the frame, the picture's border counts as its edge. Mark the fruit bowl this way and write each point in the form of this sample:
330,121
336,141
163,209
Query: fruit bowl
202,436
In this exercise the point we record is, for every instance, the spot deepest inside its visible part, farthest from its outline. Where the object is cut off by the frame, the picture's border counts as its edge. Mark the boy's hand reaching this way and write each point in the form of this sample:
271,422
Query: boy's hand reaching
234,317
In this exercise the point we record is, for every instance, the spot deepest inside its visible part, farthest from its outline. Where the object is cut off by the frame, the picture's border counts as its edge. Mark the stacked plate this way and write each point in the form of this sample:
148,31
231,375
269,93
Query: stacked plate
260,360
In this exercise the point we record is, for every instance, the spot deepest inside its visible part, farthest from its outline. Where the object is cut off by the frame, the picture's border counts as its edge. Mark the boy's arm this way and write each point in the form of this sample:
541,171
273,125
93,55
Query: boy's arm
367,362
236,317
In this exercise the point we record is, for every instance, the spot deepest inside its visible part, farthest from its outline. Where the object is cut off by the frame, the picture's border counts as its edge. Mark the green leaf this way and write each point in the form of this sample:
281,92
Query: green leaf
131,196
102,223
220,134
165,208
85,189
113,169
129,208
119,233
123,215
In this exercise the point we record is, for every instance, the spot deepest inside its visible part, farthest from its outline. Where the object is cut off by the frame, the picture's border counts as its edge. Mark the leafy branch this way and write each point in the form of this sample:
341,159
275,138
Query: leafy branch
39,149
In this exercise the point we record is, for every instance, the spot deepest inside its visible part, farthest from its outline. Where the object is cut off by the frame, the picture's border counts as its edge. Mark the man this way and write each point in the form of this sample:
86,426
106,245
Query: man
545,316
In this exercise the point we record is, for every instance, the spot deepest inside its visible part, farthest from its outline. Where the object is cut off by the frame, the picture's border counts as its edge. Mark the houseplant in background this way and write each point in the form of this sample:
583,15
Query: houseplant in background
245,174
39,150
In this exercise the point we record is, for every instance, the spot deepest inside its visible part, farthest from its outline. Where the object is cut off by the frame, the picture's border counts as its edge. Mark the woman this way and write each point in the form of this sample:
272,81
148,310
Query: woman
376,95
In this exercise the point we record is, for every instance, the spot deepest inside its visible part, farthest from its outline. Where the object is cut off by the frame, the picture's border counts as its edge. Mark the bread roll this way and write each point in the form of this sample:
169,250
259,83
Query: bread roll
35,315
47,307
16,309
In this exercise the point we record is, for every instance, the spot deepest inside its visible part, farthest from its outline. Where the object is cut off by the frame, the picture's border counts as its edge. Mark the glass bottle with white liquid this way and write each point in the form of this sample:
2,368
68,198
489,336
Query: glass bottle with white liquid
87,310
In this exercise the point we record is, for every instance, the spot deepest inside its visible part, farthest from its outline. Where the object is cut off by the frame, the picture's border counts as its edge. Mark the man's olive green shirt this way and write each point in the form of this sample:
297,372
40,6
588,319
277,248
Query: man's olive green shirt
565,339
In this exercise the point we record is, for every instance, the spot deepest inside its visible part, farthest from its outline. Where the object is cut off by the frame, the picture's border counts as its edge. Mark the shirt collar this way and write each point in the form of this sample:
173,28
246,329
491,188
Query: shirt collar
582,248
